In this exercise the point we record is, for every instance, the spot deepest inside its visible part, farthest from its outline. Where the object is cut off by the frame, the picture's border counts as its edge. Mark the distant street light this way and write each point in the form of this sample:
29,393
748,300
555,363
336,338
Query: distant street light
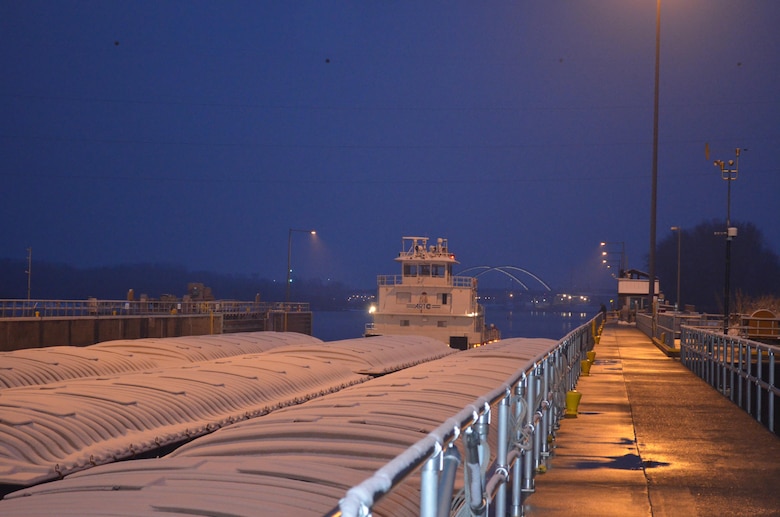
728,171
289,257
606,252
679,233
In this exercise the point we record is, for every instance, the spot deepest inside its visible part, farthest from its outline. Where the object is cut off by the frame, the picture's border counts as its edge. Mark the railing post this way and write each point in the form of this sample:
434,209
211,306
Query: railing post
451,460
759,368
749,363
538,424
741,368
517,468
504,424
771,393
544,427
731,372
473,474
529,460
429,485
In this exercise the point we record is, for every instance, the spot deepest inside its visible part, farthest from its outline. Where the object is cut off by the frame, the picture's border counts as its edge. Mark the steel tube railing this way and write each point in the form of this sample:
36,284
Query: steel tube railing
95,308
732,364
528,406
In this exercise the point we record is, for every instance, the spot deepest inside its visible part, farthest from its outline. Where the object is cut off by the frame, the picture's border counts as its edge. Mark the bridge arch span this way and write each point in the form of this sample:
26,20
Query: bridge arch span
506,271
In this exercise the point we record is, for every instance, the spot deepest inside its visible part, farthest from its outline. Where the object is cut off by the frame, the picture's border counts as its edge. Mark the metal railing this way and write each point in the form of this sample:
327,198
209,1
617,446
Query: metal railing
668,324
741,369
456,281
93,307
529,407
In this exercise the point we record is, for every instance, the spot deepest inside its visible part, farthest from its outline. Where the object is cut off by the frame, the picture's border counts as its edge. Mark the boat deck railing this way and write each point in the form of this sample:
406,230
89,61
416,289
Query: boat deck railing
456,281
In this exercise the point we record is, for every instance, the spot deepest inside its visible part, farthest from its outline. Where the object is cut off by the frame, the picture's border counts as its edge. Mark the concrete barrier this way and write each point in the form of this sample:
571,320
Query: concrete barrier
19,333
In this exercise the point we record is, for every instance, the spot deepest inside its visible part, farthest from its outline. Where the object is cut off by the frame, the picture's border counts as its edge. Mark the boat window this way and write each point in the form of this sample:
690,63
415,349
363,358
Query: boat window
443,298
410,270
403,297
425,270
438,270
441,323
404,323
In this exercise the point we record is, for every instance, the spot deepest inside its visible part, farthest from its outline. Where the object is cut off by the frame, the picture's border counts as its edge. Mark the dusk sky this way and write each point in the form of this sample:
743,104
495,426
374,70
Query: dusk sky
199,132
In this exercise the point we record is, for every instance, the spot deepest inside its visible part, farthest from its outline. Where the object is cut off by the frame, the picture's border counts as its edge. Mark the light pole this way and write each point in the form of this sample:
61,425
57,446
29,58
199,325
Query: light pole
289,257
728,171
29,271
679,233
654,186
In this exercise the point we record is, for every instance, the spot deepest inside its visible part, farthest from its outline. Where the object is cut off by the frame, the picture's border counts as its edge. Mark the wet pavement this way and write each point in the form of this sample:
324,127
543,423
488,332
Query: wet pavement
652,439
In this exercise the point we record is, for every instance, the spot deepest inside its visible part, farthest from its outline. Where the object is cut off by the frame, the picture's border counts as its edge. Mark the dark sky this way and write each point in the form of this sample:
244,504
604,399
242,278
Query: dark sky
199,132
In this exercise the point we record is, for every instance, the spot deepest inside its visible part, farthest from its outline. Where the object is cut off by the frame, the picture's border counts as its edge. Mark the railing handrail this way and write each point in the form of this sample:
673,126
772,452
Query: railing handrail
41,308
361,498
455,281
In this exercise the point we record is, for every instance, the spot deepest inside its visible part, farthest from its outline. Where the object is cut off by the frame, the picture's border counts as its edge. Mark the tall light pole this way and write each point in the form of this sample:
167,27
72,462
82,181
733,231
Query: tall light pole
679,233
728,171
289,258
654,187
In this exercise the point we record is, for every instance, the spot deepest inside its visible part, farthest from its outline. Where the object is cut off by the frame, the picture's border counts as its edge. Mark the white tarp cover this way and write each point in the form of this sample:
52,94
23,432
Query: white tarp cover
299,460
34,366
57,428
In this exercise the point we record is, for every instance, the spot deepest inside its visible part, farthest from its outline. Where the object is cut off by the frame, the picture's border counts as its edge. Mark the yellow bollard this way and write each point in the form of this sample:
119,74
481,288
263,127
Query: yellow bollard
591,356
572,403
585,365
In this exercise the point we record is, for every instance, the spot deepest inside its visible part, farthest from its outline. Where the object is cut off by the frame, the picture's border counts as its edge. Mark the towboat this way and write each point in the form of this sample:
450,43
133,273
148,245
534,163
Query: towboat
426,299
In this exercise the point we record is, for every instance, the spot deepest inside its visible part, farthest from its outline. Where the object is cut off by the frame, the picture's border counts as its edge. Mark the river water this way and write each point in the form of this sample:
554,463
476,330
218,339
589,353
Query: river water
332,326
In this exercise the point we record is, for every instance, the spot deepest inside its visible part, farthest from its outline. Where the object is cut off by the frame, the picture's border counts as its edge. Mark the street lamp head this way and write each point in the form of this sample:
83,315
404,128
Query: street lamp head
675,228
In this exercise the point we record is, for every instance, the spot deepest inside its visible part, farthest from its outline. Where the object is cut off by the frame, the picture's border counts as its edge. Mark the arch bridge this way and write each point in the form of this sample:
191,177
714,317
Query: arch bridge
508,271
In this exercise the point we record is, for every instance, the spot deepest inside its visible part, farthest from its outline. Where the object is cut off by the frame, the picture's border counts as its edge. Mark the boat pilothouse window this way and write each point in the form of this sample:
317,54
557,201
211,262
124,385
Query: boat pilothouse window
410,269
425,270
439,270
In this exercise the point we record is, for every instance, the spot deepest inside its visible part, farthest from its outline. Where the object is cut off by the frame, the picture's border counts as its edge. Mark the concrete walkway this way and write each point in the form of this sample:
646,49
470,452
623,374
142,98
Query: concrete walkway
652,439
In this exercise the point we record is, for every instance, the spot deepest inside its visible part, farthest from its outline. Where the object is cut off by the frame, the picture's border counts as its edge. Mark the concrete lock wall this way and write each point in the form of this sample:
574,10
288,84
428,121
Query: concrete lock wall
19,333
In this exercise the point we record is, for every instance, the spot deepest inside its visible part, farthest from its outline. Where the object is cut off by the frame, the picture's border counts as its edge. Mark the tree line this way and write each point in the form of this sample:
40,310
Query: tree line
755,267
57,281
755,277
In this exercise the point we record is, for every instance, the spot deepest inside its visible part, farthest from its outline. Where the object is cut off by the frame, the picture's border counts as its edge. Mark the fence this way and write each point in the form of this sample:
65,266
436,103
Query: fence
529,408
667,328
94,307
741,369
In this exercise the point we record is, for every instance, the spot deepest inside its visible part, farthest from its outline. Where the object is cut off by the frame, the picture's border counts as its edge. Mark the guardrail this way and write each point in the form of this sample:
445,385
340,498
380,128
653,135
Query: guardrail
94,307
742,370
529,407
668,325
457,281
